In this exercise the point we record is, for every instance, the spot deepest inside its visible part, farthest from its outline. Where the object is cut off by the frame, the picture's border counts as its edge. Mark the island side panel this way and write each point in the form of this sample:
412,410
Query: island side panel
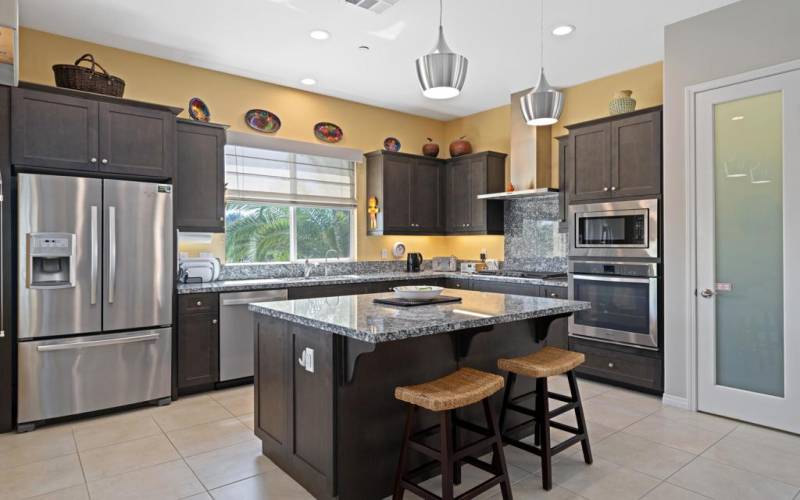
296,422
370,419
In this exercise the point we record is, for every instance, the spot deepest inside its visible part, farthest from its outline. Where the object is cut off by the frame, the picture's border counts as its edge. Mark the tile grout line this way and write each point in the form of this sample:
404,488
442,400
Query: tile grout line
80,461
183,459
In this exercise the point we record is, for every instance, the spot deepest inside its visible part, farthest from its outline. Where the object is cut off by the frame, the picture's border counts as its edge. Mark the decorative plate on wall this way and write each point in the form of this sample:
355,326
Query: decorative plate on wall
328,132
391,144
198,110
263,121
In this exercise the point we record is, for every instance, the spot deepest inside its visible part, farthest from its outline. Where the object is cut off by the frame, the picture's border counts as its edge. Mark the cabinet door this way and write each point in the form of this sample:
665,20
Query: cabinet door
136,141
396,193
426,196
476,221
198,350
53,130
558,334
201,173
636,155
458,202
589,168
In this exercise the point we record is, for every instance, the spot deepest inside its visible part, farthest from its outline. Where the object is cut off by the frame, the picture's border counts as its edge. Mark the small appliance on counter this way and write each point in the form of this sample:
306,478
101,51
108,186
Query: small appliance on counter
445,264
473,267
414,262
198,269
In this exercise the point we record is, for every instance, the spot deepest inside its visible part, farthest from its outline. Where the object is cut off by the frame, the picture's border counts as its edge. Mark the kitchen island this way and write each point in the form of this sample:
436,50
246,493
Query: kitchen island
326,370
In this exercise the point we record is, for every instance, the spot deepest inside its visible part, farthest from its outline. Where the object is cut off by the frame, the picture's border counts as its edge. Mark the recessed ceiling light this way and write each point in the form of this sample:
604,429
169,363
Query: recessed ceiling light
308,81
737,118
319,35
563,30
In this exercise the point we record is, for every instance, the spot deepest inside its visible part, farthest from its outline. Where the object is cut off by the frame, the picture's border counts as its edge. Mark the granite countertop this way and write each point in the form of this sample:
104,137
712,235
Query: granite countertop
358,317
273,283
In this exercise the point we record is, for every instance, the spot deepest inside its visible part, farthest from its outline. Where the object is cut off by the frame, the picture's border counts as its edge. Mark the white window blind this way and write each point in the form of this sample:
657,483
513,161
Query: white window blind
254,174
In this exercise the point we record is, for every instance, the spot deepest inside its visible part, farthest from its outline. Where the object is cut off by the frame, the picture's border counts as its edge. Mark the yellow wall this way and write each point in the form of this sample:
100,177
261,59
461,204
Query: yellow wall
229,97
589,100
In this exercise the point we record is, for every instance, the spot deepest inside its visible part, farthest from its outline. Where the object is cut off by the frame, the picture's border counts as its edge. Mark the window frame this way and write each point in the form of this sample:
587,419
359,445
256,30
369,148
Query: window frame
293,259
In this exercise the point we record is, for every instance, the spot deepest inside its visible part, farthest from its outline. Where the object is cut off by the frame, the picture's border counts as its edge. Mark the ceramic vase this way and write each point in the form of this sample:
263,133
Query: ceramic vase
622,103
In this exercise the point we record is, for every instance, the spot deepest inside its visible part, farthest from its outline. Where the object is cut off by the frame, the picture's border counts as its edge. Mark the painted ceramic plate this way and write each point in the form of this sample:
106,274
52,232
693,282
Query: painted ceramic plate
198,110
328,132
262,120
391,144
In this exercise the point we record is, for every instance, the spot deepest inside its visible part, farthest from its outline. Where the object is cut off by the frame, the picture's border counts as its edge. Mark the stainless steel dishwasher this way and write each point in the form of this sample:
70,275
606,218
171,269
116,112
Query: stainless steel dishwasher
237,329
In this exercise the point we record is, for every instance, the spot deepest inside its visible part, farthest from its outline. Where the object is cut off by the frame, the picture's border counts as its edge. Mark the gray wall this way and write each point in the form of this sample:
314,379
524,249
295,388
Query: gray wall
740,37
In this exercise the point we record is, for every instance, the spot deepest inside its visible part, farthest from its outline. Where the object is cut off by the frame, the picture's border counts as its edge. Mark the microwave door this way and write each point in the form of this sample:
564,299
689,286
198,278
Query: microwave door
138,257
58,248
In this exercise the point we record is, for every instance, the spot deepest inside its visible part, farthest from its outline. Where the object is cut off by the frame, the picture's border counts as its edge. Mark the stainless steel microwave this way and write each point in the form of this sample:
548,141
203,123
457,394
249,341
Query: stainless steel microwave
614,229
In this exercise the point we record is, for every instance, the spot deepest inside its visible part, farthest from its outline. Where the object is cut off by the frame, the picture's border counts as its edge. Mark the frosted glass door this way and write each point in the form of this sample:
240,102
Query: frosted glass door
747,235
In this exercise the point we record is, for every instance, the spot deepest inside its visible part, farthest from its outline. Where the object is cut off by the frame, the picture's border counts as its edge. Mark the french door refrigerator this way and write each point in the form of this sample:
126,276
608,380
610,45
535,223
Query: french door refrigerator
94,310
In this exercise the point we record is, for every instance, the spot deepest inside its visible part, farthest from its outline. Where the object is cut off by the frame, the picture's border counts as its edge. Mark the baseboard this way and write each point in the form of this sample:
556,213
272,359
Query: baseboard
675,401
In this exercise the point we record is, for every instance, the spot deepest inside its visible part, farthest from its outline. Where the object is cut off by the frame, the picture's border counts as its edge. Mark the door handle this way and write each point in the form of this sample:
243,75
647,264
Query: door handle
98,343
112,253
707,293
94,251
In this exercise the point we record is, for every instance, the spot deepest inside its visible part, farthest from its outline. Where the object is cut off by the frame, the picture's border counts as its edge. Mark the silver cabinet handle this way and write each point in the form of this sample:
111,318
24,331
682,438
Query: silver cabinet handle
222,219
98,343
553,295
93,160
605,188
611,365
707,293
214,321
199,303
112,253
94,251
104,161
613,188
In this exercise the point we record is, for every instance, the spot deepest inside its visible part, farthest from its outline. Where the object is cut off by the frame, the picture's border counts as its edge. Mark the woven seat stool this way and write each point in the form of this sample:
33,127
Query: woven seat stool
548,362
460,389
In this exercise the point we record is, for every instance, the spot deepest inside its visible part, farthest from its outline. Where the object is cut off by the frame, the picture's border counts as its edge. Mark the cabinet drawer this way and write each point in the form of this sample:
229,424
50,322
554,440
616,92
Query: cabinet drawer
554,292
508,288
198,303
618,366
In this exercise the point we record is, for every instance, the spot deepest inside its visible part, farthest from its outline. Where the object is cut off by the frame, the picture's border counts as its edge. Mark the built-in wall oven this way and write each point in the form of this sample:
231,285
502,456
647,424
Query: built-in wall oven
614,229
624,297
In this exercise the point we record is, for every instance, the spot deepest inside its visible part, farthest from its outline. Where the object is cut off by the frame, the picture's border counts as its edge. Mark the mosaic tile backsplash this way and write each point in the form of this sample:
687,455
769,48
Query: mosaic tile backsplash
532,240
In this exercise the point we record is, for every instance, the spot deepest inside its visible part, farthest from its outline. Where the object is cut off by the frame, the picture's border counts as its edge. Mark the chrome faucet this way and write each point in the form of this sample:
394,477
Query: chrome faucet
308,267
336,252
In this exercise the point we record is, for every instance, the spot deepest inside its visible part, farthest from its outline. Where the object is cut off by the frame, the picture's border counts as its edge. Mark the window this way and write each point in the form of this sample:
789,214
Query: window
283,207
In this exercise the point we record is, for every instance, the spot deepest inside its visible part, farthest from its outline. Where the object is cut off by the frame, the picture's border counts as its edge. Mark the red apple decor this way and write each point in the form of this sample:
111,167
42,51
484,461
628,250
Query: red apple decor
460,147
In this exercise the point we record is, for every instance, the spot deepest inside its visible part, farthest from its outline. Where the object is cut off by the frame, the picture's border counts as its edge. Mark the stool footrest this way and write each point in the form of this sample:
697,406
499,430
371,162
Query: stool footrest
516,443
418,490
563,409
477,429
477,490
565,427
523,397
430,431
561,397
519,426
474,448
563,445
521,409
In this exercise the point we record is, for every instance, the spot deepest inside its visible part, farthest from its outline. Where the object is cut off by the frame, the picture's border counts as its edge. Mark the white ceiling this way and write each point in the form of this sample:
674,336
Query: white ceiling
268,40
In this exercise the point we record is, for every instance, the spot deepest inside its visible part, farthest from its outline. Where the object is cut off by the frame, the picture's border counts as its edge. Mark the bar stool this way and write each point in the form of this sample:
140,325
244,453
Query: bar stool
548,362
462,388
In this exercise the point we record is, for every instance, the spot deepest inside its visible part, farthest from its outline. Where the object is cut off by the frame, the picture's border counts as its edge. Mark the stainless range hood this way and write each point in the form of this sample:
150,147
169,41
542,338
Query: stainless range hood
9,42
530,150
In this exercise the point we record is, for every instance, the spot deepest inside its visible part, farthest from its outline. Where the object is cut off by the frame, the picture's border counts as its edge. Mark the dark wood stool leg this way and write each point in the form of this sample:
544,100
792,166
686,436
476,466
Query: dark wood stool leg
510,379
573,387
401,466
498,457
456,464
446,434
543,419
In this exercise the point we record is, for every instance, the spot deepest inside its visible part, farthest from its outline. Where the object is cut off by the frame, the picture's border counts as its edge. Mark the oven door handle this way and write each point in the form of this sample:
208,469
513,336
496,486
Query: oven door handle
613,279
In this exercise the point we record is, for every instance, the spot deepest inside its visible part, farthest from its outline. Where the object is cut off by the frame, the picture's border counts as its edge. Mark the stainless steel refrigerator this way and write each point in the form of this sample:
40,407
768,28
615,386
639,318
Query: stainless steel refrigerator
94,310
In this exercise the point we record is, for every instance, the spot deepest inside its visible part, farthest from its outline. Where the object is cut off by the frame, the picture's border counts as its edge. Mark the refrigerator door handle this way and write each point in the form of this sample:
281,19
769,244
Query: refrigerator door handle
95,251
97,343
112,253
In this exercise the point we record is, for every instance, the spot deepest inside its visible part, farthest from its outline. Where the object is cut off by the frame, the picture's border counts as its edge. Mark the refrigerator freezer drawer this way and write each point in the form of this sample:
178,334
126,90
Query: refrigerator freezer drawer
78,375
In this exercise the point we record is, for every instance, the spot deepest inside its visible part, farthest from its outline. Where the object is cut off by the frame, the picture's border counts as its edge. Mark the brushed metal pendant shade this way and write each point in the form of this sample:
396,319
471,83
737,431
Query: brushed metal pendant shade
442,72
543,105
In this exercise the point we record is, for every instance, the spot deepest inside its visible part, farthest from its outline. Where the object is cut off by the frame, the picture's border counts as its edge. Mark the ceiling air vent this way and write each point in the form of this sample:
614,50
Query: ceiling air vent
376,6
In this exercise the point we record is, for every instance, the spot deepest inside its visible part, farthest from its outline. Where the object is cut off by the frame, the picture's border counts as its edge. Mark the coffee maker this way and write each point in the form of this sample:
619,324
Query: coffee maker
414,262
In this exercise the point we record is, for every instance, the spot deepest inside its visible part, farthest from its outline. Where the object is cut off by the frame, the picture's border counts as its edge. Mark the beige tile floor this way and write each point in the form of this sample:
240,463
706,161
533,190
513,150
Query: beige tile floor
202,447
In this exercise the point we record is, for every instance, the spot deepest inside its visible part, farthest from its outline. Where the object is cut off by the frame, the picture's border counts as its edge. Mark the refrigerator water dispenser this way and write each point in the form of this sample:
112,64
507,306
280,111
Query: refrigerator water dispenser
51,260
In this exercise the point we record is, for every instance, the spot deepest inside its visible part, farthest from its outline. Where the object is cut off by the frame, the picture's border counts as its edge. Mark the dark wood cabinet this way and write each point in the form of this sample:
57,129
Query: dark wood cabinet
615,157
8,345
470,176
200,192
563,187
627,366
409,193
54,130
198,340
136,141
67,130
505,287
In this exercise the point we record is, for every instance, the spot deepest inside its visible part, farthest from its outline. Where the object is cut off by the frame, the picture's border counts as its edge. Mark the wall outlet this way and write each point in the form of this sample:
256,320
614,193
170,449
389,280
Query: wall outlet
384,253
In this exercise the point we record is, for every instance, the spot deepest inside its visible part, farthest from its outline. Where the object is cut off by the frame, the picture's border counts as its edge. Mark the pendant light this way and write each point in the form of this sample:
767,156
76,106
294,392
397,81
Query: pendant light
442,72
542,105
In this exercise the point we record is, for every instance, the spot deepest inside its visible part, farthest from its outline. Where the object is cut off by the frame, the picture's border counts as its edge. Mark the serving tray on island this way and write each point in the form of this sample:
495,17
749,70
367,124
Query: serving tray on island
441,299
